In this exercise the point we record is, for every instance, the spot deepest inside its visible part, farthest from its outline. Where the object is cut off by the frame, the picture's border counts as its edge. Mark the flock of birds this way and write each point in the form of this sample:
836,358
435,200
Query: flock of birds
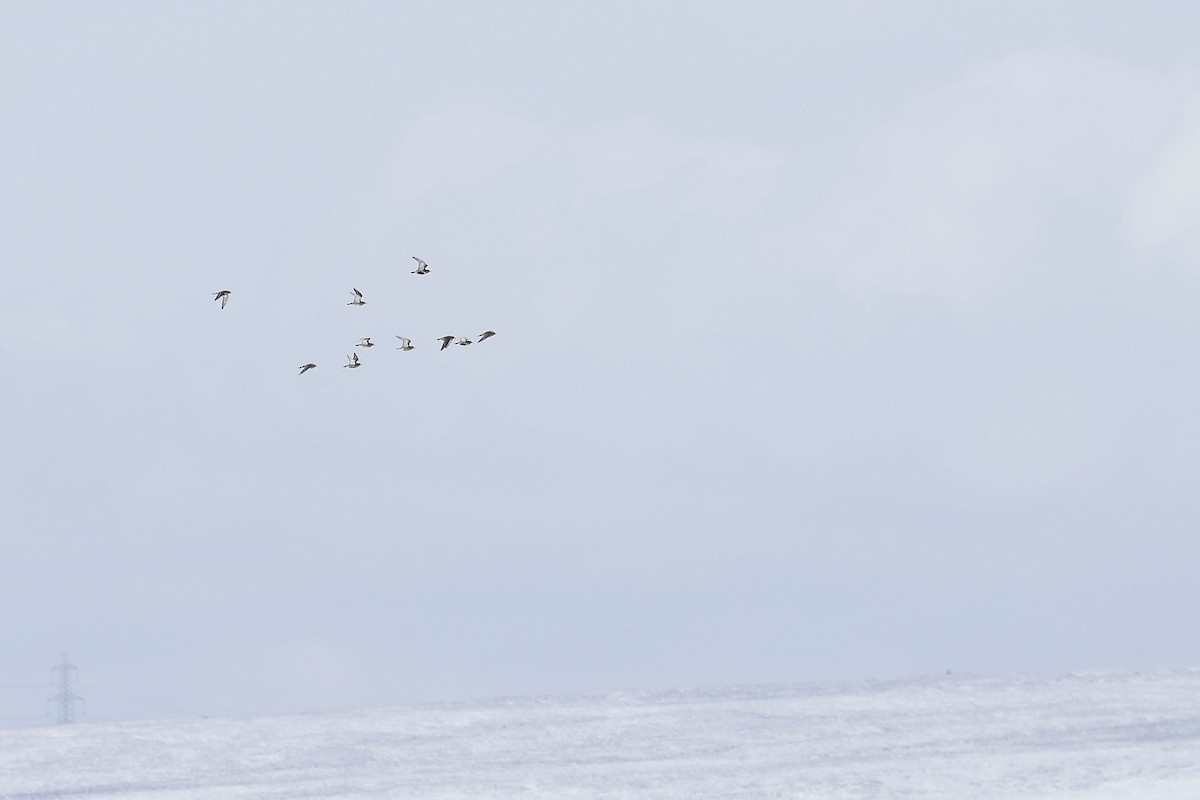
406,344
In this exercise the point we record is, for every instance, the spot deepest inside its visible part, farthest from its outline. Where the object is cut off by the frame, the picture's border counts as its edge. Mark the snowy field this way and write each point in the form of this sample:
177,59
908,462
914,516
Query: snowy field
1103,735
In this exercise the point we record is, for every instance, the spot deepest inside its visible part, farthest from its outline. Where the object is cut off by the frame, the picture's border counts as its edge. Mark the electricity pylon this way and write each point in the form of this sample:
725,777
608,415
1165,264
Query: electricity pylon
65,699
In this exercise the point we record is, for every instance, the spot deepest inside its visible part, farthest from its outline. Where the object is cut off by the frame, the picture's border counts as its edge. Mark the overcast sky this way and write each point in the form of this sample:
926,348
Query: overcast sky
834,341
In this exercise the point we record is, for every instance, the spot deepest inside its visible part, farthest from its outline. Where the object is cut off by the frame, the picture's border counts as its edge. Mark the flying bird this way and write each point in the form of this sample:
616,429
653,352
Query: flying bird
352,360
485,335
463,340
357,299
223,296
446,340
405,343
422,267
306,367
365,342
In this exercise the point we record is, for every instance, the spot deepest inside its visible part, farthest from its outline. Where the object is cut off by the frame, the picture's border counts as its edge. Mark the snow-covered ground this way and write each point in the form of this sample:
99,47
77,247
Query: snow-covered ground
1096,735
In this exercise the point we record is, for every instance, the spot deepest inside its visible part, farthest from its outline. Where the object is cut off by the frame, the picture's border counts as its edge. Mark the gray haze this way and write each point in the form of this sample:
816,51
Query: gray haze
834,341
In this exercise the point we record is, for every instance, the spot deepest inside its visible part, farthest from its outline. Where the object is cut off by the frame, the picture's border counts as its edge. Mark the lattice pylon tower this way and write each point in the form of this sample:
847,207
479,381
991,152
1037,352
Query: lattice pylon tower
65,699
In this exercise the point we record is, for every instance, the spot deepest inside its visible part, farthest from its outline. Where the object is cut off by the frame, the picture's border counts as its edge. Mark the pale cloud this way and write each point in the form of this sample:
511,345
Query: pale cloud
950,197
630,157
727,179
468,146
1033,438
28,332
463,145
1164,206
